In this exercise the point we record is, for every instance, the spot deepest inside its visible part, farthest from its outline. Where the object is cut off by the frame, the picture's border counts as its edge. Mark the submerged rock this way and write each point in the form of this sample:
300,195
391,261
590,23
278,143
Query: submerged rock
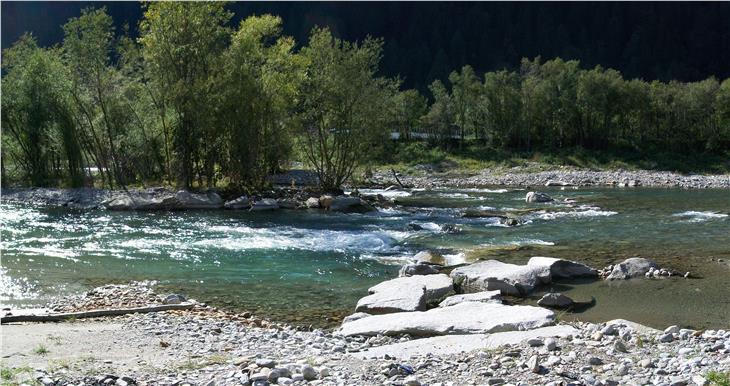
537,197
510,222
463,318
429,257
450,228
486,296
403,294
631,268
555,300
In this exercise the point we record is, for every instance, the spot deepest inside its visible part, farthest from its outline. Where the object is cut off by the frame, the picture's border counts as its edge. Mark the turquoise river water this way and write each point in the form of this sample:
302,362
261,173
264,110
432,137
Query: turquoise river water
310,267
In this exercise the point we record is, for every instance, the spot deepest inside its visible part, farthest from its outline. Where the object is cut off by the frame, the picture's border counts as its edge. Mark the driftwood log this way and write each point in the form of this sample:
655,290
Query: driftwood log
94,313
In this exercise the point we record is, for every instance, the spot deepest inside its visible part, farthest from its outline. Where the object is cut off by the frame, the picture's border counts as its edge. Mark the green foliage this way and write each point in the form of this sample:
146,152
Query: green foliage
197,103
718,379
344,106
40,350
39,134
557,105
182,43
258,87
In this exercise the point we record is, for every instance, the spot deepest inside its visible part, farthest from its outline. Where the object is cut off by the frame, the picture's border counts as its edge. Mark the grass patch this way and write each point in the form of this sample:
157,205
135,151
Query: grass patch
41,350
8,376
717,378
192,364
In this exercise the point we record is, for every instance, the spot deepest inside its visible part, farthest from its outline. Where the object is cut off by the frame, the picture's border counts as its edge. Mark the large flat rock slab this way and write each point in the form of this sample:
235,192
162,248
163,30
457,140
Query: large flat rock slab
486,296
405,294
455,344
463,318
510,279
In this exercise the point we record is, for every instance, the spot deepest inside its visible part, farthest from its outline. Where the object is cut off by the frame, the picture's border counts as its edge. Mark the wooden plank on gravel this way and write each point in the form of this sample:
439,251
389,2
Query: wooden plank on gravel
94,313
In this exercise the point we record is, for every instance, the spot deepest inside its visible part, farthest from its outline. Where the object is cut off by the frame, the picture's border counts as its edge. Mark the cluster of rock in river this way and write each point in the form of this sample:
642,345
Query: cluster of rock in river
426,302
159,199
208,347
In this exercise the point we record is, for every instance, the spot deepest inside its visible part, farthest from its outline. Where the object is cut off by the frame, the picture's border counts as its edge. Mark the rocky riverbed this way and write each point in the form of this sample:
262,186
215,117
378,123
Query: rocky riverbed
207,346
520,176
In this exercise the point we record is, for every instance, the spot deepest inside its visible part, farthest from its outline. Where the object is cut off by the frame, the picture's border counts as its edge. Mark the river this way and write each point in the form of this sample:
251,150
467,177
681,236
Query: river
310,267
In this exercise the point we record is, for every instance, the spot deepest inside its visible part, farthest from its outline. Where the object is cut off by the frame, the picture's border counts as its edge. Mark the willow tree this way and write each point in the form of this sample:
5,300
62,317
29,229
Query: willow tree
88,44
182,44
39,133
343,104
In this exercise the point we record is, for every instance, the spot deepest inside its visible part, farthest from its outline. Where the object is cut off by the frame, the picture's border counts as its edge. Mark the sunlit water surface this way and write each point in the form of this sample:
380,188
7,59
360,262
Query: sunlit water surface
310,267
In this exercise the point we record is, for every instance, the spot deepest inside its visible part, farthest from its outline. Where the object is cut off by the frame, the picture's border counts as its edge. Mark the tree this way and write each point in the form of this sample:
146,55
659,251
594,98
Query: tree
409,106
500,109
181,45
464,94
39,133
440,117
343,109
256,95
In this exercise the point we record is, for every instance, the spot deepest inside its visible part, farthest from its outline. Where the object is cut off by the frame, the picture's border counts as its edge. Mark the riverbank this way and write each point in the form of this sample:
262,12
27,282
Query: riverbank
205,346
440,175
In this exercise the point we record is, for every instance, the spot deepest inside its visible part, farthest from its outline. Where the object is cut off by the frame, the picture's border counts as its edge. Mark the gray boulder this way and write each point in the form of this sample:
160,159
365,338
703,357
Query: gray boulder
242,202
405,294
264,204
418,269
312,202
563,269
349,204
141,201
174,299
463,318
510,279
486,296
630,268
209,200
555,300
537,197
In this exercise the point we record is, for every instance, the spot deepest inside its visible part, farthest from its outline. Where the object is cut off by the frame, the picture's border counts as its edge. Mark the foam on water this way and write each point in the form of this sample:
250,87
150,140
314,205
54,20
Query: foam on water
386,193
282,238
698,216
581,212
